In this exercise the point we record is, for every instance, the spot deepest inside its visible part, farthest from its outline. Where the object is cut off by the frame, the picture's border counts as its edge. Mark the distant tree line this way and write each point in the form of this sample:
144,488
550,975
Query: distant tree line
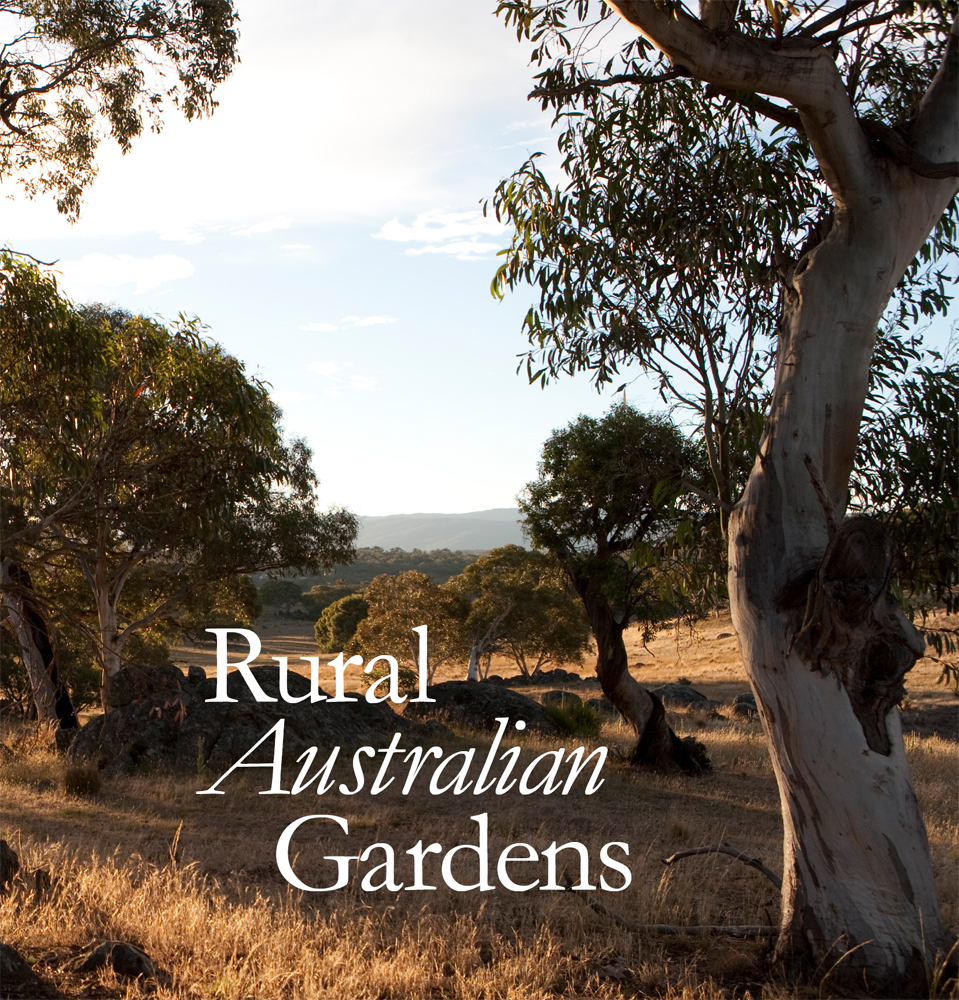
438,564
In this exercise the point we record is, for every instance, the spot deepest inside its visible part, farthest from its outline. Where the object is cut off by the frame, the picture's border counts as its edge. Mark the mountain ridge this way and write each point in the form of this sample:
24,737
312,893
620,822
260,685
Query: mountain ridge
478,529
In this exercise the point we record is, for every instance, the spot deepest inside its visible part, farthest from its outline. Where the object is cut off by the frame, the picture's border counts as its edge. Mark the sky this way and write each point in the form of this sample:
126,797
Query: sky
325,224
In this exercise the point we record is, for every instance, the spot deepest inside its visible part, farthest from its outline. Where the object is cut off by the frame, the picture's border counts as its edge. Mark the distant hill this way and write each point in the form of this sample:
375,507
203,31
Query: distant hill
476,530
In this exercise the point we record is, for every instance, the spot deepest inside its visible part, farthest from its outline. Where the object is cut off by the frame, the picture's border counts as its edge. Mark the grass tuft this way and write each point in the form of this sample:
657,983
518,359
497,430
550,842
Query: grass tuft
576,719
82,780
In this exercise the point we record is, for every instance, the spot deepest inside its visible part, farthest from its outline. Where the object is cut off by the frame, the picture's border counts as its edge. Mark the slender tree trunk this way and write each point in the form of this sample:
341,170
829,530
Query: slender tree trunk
109,644
658,745
473,671
825,645
50,694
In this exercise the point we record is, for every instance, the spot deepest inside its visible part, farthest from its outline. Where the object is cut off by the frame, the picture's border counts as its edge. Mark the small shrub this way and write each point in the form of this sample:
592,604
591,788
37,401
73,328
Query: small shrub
576,719
408,678
82,779
698,752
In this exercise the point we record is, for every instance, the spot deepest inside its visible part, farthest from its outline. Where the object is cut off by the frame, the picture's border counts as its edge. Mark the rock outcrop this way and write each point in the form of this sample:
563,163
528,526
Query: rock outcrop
163,719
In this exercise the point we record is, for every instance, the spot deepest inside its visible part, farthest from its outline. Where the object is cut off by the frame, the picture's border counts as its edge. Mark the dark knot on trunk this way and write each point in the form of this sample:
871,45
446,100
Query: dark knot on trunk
854,628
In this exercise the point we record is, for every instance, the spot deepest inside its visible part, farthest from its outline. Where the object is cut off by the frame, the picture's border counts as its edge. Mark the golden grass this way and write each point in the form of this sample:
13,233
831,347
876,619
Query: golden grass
224,924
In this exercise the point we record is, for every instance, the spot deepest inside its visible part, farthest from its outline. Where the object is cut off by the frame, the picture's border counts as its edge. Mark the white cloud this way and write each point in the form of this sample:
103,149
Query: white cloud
344,383
264,226
529,123
182,234
323,368
348,322
297,246
367,320
96,271
460,249
458,234
439,225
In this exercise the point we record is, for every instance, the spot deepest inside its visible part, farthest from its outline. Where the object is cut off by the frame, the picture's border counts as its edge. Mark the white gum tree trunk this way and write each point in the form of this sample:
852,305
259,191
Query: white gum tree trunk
110,644
44,695
824,644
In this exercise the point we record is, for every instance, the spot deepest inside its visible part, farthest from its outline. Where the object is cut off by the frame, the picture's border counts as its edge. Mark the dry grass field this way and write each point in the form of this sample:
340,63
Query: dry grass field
220,921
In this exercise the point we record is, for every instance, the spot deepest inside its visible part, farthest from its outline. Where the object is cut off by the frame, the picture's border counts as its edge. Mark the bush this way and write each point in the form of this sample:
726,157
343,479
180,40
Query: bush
77,668
82,779
14,682
576,719
338,623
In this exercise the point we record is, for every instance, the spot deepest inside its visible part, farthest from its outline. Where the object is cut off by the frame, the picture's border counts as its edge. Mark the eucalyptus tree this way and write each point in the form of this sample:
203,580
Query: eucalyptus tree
520,606
825,138
72,74
398,609
604,497
338,622
145,461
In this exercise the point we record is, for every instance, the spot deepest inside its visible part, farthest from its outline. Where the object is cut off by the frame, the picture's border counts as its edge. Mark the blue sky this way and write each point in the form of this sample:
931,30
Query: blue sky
325,225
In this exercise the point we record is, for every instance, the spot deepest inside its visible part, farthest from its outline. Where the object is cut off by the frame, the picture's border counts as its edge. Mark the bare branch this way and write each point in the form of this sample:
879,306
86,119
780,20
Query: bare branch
733,853
730,930
831,18
708,497
754,930
866,22
784,116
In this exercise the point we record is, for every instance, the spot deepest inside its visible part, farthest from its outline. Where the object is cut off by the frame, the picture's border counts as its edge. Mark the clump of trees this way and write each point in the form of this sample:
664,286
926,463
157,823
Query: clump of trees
438,564
145,476
399,604
511,602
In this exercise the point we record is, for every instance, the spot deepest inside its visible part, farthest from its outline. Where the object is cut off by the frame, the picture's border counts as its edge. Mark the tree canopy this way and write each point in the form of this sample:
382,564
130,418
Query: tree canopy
520,606
72,74
399,604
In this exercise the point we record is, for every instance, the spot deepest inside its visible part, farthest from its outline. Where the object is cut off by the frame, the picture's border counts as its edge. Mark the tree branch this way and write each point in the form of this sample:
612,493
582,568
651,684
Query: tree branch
897,146
708,497
935,131
733,853
755,930
831,18
799,71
